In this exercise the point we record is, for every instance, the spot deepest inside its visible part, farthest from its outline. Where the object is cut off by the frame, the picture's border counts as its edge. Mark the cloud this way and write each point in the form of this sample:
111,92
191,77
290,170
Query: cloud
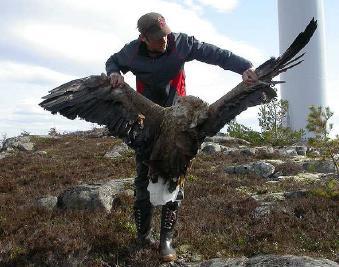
27,73
220,5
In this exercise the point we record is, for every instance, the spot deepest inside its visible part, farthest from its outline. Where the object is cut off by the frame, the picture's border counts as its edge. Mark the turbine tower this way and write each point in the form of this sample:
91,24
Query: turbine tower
305,85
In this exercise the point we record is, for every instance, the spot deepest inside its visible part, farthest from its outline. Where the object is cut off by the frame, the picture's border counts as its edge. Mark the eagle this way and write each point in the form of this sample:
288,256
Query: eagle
172,135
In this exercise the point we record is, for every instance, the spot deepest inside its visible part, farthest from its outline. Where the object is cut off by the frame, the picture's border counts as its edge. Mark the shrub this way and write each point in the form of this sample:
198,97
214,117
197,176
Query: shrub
238,130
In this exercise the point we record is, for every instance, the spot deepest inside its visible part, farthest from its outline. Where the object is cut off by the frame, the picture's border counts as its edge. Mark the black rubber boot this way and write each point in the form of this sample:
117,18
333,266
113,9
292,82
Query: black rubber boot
168,220
143,221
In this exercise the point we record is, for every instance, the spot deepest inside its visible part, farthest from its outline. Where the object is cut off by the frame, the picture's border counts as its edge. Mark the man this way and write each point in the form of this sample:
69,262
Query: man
157,60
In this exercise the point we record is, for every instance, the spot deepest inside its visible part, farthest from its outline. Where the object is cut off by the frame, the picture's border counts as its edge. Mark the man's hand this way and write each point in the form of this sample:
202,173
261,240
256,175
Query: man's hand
117,80
249,77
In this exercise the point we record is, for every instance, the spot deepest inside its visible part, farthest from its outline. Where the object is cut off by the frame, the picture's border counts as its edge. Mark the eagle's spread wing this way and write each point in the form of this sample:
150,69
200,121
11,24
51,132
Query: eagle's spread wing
241,97
94,100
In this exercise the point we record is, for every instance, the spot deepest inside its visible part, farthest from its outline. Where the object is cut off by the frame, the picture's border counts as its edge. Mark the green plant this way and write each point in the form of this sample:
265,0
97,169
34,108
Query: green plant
283,136
238,130
25,133
272,117
318,123
330,190
53,132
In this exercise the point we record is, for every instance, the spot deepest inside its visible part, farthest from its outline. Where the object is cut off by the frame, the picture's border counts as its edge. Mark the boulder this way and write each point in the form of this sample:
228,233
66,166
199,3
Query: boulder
322,166
117,151
211,148
22,143
263,169
260,168
287,151
98,196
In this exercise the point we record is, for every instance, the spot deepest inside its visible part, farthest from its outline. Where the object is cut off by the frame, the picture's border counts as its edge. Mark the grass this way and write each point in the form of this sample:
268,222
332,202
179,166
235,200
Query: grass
215,219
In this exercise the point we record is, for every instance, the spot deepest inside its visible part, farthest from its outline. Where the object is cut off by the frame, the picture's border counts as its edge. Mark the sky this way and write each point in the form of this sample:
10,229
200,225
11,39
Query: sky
44,44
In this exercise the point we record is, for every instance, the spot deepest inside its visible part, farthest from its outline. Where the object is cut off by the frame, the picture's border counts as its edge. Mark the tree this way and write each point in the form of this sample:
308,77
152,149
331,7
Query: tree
272,117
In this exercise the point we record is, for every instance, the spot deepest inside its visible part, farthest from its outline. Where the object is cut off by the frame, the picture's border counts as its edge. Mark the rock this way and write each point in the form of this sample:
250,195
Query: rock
301,150
265,149
229,169
307,178
287,151
112,155
22,143
210,148
227,140
269,197
275,162
276,176
260,168
48,202
315,165
288,260
4,155
248,151
267,261
219,262
92,196
230,150
243,169
117,151
263,169
323,166
296,194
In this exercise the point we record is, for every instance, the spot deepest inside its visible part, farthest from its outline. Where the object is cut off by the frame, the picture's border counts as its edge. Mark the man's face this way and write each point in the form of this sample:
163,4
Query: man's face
156,46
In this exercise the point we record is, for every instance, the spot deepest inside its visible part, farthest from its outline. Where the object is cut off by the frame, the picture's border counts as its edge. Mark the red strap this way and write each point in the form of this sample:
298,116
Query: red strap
140,87
179,83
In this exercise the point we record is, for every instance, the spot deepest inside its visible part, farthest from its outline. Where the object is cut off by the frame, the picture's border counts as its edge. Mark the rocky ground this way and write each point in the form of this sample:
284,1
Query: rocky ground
66,200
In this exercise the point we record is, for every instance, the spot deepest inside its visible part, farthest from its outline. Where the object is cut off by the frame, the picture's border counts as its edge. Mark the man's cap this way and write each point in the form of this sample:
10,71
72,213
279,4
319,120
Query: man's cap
153,25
